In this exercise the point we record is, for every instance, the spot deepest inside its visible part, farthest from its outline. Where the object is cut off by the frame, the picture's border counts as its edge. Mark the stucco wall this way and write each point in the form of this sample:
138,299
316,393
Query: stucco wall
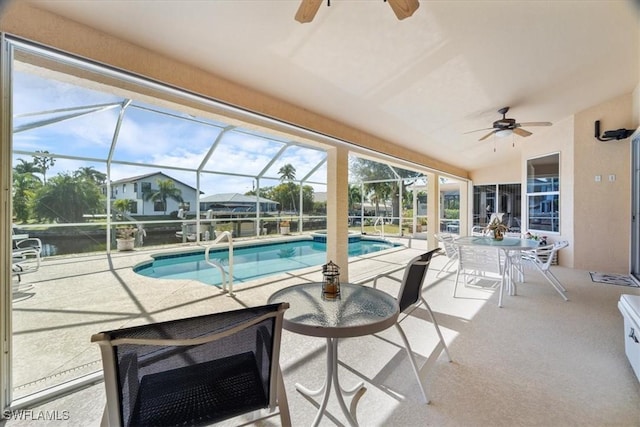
508,172
603,209
555,139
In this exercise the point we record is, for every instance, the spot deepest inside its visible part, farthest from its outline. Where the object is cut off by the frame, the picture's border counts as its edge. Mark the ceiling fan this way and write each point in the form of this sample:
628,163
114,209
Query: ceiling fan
506,126
308,8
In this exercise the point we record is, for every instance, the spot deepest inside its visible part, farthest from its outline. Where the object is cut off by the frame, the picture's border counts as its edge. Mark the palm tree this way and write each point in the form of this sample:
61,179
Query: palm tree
288,173
24,189
66,199
44,163
25,167
90,174
355,196
123,206
166,190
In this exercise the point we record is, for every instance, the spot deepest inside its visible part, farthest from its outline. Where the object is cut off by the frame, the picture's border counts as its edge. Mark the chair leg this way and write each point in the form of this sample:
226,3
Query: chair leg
413,362
555,279
556,284
283,402
435,324
446,266
455,287
501,290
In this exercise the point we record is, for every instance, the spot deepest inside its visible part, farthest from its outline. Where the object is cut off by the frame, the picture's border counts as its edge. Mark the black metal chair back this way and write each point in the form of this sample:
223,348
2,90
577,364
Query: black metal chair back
194,371
414,275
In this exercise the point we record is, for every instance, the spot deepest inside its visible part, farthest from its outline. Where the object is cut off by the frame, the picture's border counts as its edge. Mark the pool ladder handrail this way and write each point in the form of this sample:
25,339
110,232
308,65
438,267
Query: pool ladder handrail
375,226
227,285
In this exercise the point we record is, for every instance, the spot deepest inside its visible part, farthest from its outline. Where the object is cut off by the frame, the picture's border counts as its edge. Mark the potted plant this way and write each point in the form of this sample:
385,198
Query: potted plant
497,227
125,238
284,227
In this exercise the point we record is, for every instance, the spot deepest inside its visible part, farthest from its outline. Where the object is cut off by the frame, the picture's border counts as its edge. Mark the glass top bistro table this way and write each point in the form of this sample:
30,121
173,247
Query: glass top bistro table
508,245
358,310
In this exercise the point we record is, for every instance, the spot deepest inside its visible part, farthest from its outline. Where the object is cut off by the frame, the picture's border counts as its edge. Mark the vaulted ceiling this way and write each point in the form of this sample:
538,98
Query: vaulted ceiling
422,82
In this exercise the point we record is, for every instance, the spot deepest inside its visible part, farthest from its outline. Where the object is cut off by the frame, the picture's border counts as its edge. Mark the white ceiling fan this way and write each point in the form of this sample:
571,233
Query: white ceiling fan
308,8
506,126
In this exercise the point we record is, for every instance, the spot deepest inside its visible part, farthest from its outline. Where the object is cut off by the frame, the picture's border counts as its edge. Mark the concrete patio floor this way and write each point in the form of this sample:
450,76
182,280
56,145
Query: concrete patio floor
73,298
59,307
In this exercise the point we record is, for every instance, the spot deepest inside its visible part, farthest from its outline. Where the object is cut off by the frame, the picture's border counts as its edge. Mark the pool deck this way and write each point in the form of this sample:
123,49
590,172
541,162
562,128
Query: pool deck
537,361
59,307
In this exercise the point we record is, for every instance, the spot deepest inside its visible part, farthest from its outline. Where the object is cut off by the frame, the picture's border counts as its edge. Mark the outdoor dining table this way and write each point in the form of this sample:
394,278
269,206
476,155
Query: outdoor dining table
508,245
357,311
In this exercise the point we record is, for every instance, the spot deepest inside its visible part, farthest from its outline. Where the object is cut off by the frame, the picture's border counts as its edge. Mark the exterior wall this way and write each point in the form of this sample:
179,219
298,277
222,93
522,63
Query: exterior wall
558,138
145,207
603,209
503,173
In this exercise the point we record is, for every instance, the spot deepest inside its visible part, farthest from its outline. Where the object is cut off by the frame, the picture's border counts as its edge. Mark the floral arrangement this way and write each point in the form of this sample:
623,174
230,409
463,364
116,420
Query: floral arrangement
284,223
127,232
496,225
541,239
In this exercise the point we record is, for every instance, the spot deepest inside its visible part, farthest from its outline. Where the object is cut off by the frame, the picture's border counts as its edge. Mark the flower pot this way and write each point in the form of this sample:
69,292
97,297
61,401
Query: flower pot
125,244
284,230
497,234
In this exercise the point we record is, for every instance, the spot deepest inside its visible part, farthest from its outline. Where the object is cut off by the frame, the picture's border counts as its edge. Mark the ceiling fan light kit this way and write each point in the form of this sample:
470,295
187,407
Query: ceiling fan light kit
507,126
308,9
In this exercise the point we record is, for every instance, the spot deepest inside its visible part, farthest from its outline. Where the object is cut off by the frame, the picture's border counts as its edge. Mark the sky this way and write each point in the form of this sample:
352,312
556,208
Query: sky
161,137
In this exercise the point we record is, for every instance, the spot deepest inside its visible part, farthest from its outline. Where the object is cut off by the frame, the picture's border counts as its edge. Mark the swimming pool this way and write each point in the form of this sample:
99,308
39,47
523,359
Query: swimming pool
252,262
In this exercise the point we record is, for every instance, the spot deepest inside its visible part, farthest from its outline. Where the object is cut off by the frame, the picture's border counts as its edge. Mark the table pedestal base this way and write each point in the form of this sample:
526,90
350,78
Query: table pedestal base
325,390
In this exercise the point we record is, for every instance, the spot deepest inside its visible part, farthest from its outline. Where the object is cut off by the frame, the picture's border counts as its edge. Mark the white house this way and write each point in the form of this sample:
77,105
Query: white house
134,188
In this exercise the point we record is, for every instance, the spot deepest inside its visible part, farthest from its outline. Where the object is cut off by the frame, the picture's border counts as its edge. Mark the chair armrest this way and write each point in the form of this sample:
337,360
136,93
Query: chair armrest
386,273
29,243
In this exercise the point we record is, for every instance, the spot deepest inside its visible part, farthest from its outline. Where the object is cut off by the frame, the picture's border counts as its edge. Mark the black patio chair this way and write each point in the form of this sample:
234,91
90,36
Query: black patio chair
409,298
195,371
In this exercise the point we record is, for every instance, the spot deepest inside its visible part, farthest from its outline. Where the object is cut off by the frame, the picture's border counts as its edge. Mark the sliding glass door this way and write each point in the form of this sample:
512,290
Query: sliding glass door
500,198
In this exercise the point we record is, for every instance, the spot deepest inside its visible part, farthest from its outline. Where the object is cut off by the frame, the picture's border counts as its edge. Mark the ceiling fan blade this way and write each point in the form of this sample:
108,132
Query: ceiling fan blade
403,8
487,135
307,10
477,130
521,132
535,124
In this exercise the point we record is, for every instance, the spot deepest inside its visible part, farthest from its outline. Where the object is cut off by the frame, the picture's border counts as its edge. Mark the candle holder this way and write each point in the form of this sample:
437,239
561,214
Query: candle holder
331,281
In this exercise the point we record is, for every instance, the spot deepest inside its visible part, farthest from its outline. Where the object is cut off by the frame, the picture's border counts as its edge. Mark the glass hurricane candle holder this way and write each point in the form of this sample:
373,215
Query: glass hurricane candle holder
330,281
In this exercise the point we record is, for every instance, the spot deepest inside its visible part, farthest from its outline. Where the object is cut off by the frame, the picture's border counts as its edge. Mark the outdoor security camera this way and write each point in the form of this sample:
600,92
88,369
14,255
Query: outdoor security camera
610,135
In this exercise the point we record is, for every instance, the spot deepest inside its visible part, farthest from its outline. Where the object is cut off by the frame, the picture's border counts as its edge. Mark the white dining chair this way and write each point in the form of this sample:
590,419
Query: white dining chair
479,264
450,251
540,259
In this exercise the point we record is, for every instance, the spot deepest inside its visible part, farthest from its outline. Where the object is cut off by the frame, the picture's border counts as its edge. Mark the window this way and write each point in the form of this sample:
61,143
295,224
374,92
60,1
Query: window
158,206
484,203
543,193
500,198
124,188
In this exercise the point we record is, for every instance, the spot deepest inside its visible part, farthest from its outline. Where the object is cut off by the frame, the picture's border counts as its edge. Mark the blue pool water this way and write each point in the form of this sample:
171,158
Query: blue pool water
251,262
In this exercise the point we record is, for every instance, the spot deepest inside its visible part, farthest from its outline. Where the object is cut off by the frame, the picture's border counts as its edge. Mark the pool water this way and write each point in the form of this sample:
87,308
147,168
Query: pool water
252,262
